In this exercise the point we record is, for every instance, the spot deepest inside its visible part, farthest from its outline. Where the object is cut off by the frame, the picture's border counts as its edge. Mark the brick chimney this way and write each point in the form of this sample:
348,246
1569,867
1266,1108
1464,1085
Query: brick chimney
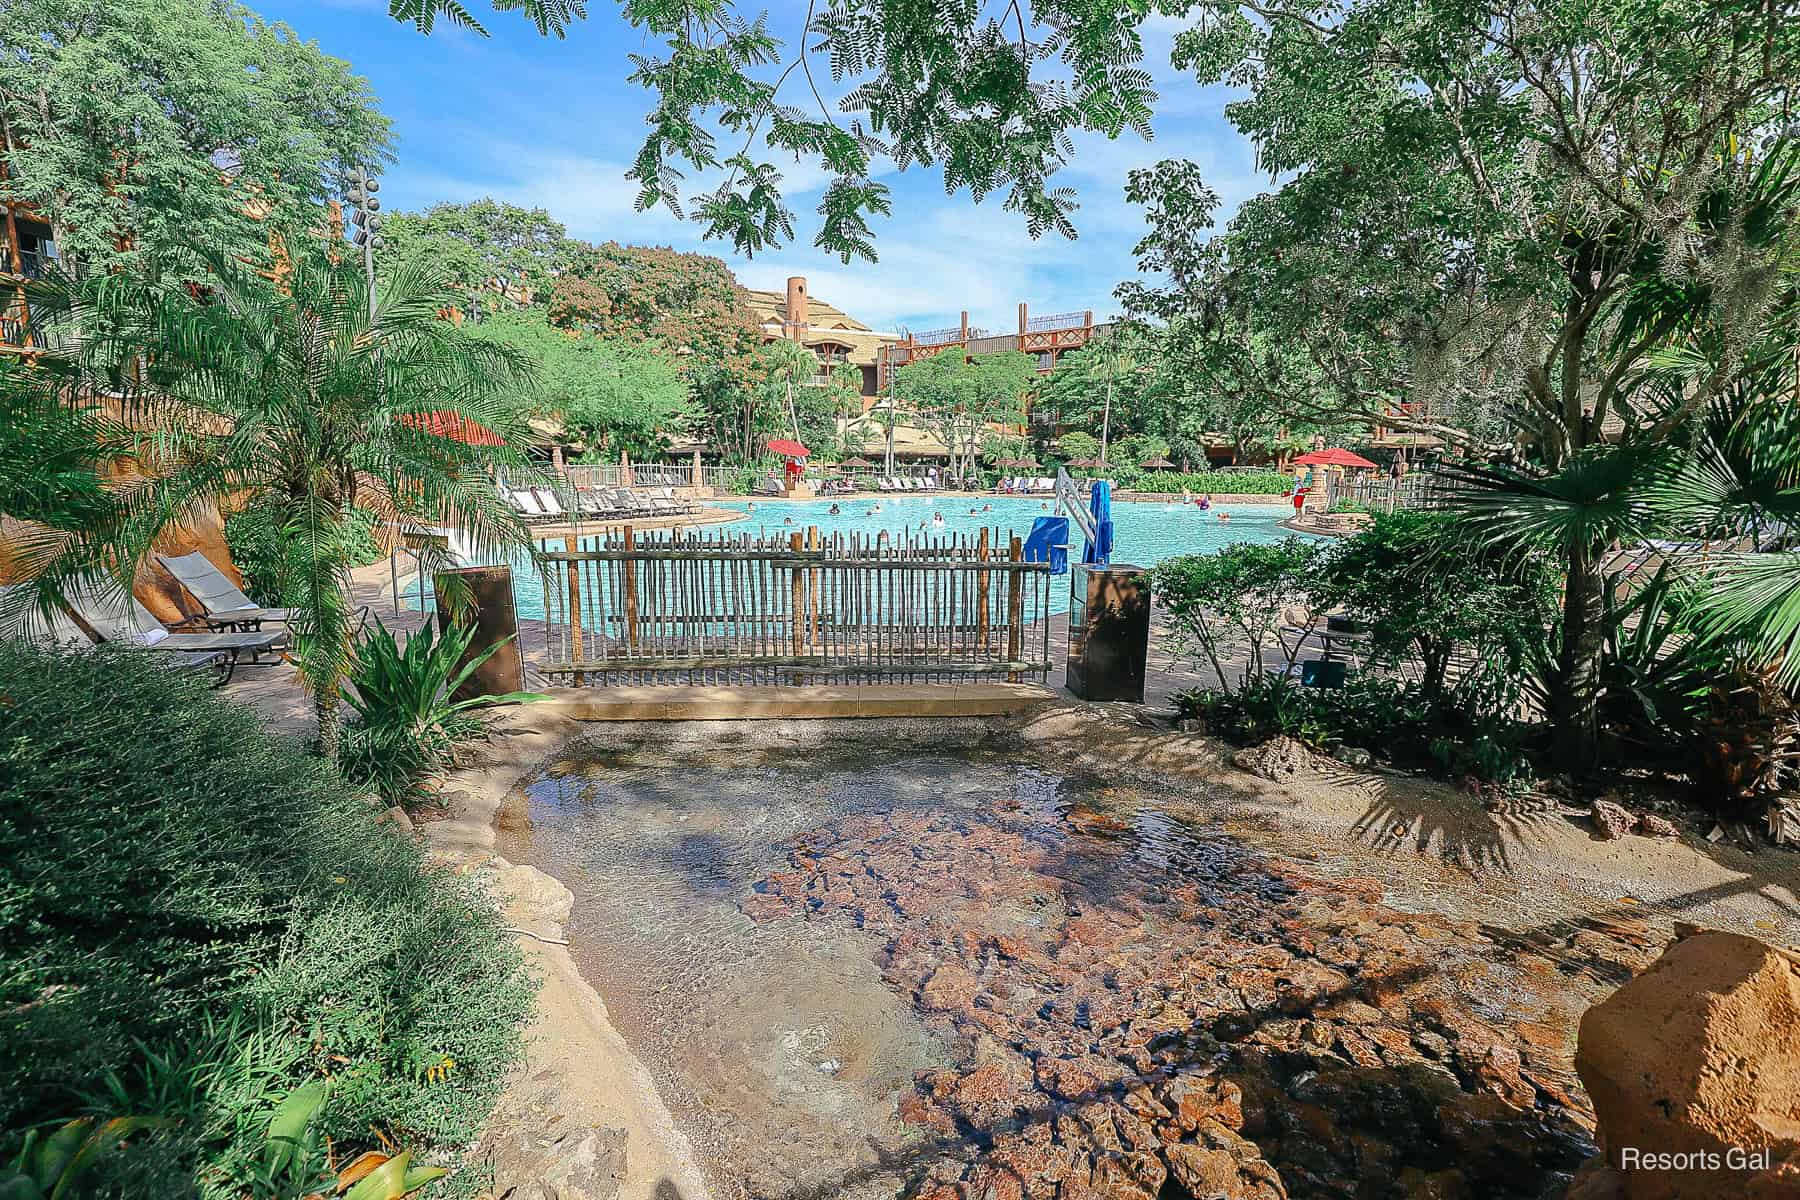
794,324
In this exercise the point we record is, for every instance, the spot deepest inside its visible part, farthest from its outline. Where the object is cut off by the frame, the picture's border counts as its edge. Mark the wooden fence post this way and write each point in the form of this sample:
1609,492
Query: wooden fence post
797,586
575,618
982,582
1015,603
631,594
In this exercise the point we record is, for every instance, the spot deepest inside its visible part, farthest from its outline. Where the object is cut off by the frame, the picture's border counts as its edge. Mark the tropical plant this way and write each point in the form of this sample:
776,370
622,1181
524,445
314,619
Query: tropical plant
309,399
1229,606
54,1167
1421,584
406,716
960,399
272,562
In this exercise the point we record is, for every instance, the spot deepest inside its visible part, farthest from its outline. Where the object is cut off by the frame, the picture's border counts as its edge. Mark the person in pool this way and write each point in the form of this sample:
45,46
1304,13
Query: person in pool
1204,502
987,508
835,510
1223,515
787,520
937,520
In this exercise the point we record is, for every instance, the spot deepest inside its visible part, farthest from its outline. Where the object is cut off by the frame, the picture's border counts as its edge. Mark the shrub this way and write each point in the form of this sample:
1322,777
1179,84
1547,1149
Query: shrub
1423,586
1449,733
261,550
1201,483
405,721
1230,603
164,858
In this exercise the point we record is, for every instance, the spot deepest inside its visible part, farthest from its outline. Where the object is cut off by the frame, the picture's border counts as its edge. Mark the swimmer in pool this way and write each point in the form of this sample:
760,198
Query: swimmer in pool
1224,516
787,520
937,520
835,510
987,508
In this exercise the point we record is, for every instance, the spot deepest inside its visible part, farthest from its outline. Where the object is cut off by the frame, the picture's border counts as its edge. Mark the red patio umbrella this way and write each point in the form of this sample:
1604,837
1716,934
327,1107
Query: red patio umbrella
788,448
453,426
1334,457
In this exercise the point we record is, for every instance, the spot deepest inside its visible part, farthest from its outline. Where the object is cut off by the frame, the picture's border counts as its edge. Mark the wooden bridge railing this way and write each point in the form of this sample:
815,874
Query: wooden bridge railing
688,607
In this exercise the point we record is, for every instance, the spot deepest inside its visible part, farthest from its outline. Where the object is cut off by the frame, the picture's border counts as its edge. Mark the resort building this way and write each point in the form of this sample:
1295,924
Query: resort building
834,336
1047,339
27,248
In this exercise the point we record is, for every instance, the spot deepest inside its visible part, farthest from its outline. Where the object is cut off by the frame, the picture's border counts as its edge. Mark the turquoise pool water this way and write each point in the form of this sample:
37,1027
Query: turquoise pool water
1143,533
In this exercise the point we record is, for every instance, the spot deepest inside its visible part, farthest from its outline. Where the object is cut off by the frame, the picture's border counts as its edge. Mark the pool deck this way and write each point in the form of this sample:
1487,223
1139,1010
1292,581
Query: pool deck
678,703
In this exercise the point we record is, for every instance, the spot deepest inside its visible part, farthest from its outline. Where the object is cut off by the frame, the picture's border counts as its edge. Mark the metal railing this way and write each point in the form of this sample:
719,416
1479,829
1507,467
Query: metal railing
718,607
1070,320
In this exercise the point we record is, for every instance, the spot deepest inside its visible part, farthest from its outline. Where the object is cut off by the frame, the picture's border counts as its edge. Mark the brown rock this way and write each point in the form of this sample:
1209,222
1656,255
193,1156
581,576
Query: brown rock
1278,759
1611,820
1136,1175
1222,1164
950,989
1651,825
1197,1098
1597,1181
1699,1055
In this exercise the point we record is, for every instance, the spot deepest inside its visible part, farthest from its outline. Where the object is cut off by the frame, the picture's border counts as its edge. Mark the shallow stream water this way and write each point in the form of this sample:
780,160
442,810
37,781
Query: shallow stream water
854,970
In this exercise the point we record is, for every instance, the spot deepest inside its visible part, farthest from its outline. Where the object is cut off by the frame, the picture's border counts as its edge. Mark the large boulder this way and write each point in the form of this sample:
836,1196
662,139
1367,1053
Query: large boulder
1694,1071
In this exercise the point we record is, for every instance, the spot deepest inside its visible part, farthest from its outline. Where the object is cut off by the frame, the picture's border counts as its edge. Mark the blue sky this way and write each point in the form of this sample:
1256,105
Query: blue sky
553,124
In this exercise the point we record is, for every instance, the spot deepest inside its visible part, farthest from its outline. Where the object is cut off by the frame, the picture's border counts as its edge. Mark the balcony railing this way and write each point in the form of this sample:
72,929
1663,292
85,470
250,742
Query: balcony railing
33,264
1071,320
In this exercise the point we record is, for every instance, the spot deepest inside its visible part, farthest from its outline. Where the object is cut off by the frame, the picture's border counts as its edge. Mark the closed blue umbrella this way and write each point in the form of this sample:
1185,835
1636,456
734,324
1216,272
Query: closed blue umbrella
1099,549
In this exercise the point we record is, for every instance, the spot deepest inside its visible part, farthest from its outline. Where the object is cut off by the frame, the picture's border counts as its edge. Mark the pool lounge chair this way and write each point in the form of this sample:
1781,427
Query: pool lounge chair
552,507
527,504
62,632
123,619
225,605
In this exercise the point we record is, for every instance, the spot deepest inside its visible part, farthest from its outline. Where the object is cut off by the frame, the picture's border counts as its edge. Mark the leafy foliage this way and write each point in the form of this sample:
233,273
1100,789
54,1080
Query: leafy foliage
145,127
313,405
272,560
1422,585
225,869
958,399
407,720
1202,483
1229,606
608,394
952,84
503,256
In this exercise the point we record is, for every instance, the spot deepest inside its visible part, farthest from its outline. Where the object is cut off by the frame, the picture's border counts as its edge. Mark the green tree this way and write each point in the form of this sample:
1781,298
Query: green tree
143,127
688,305
609,394
960,400
302,400
1504,217
503,255
1231,603
993,98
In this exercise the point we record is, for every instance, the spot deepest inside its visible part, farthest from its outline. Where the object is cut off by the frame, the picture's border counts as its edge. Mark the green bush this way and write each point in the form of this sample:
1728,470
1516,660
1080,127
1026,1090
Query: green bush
1201,483
164,859
404,721
260,547
1450,734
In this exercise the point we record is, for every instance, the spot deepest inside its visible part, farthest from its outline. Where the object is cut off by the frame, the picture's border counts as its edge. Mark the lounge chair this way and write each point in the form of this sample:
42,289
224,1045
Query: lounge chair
225,605
62,632
552,506
527,504
123,619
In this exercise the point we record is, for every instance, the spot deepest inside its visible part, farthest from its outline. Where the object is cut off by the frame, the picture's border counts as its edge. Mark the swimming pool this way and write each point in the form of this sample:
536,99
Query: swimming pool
1143,533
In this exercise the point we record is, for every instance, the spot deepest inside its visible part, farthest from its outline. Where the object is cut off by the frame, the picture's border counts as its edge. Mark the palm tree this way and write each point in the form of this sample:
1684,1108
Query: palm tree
308,400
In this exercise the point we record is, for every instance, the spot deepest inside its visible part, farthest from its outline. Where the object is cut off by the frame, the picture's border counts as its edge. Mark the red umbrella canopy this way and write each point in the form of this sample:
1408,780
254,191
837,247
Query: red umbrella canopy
1334,457
453,426
788,448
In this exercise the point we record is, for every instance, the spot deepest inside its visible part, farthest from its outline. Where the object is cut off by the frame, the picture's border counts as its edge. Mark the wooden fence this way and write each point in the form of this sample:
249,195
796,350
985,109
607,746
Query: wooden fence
717,607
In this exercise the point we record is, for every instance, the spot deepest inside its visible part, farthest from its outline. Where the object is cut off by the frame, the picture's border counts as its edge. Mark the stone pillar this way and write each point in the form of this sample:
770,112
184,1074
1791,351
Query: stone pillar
794,323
